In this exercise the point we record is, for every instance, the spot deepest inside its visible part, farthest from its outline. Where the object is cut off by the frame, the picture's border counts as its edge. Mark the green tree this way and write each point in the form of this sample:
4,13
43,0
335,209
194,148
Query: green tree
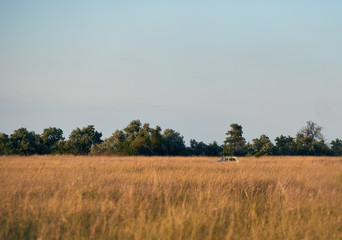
198,148
140,146
202,149
41,148
132,130
62,147
174,142
285,145
250,149
319,148
50,137
4,141
135,139
81,140
145,131
303,144
310,141
263,146
336,147
235,143
214,149
157,142
112,145
23,142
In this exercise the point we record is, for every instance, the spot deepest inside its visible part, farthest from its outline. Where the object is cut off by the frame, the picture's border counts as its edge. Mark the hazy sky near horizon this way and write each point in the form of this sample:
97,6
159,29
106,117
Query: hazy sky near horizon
193,66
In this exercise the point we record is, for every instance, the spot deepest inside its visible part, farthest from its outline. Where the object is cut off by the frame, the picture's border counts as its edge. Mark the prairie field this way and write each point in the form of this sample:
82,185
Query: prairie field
104,197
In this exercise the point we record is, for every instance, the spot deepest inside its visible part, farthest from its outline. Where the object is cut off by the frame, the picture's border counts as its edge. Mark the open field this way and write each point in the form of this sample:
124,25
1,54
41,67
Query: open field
68,197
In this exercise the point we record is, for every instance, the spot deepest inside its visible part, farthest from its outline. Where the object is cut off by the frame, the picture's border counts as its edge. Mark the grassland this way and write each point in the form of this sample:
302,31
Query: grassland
68,197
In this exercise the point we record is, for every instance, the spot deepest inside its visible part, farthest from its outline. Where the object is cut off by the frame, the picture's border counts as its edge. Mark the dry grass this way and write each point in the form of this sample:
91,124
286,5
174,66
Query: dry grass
67,197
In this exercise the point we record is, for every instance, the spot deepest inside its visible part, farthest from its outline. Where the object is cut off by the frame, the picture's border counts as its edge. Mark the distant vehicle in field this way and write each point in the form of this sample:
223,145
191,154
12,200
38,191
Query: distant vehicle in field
228,159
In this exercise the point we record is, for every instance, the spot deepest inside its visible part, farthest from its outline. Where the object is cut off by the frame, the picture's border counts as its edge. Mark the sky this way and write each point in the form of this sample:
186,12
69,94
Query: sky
193,66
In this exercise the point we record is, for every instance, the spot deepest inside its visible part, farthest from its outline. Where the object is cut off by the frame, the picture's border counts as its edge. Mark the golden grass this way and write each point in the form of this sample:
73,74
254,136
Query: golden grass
68,197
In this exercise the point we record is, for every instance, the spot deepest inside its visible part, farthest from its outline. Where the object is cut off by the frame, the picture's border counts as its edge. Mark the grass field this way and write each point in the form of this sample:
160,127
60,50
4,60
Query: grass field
73,197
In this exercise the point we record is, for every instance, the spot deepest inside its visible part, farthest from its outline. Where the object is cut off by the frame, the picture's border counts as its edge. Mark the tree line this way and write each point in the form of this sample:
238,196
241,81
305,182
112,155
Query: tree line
140,139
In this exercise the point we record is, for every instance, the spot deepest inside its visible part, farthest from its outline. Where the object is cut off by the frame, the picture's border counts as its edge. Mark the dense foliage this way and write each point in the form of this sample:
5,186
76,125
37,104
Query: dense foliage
141,139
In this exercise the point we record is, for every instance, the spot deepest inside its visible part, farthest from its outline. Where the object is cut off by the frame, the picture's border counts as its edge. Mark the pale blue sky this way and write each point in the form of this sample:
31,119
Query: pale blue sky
194,66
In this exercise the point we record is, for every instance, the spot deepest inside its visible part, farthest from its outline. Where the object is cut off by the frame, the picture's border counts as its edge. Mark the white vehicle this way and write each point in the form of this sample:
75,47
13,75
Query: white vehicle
228,159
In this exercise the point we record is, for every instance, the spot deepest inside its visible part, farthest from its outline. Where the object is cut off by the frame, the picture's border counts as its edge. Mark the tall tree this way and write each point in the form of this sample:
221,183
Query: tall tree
336,147
303,144
214,149
22,142
132,129
140,146
285,145
174,142
310,140
263,145
157,143
4,140
111,145
81,140
198,148
235,143
312,131
51,136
